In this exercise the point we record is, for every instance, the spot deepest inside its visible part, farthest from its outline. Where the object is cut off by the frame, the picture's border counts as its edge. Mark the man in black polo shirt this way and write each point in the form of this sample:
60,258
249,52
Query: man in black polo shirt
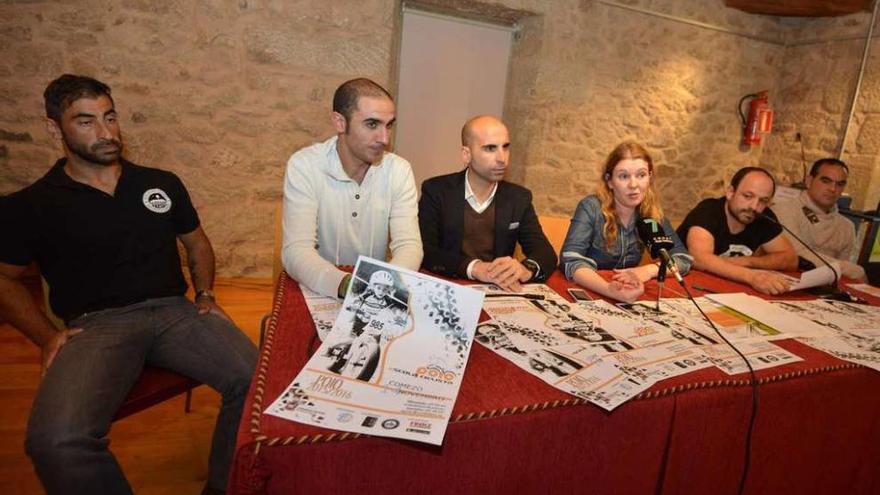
730,236
471,221
103,232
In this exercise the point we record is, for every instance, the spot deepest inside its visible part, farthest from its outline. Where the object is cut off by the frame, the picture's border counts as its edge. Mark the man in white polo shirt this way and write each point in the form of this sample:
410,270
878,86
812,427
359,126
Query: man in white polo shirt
348,196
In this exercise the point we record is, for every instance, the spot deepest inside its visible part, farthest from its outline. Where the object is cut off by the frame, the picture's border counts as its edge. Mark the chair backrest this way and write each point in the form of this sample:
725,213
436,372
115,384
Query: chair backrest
555,228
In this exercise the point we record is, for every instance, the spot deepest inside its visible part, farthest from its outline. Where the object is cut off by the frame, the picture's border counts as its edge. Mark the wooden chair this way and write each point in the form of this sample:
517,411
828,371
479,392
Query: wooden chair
555,228
155,385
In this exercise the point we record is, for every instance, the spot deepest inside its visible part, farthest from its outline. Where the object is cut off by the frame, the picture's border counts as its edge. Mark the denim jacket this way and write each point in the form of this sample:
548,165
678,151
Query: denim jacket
584,244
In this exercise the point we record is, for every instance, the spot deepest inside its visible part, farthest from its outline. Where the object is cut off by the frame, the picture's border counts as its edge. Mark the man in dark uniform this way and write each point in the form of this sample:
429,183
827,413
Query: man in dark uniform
104,233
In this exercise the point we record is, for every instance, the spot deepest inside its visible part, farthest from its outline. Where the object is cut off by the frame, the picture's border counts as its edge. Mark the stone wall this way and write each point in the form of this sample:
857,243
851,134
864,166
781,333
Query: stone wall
603,72
822,60
222,92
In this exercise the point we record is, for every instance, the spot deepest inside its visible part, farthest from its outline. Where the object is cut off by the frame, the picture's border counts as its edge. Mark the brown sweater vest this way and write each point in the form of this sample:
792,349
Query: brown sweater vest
479,233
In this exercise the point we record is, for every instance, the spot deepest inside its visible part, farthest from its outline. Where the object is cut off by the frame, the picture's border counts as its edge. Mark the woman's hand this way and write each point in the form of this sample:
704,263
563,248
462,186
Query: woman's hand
627,278
624,285
625,293
646,272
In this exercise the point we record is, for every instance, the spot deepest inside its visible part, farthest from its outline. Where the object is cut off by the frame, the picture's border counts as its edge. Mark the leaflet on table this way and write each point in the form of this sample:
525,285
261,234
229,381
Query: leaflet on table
768,314
548,363
608,354
393,362
529,291
837,316
628,326
815,277
681,325
616,378
731,323
760,355
539,323
590,349
605,379
855,329
323,309
759,351
608,380
867,353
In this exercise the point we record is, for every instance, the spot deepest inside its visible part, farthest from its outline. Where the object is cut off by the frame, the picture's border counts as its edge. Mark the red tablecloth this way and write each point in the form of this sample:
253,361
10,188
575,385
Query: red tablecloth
817,429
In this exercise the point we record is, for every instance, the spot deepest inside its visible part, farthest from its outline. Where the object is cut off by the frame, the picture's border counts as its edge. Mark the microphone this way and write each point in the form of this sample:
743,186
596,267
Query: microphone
777,222
658,243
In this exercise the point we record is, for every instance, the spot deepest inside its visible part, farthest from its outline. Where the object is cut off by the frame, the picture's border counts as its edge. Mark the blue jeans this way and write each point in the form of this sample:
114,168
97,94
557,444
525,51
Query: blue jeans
93,373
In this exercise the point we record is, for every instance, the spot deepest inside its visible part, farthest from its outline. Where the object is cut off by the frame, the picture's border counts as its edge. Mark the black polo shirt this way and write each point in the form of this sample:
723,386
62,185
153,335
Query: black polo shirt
95,250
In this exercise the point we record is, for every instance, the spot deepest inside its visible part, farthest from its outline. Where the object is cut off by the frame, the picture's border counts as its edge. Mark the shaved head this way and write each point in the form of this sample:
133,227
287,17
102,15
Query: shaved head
470,128
485,149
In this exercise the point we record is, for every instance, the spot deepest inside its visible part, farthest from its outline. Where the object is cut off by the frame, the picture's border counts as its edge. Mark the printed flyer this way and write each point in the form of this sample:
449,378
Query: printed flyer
731,323
608,354
393,362
854,329
323,309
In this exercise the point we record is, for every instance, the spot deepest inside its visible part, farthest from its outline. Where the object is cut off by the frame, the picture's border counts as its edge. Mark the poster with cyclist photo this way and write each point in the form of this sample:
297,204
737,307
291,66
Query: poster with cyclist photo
393,362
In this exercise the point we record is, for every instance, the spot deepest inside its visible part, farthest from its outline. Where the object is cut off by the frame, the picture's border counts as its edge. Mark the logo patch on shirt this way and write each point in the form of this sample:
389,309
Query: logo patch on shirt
737,250
810,214
157,200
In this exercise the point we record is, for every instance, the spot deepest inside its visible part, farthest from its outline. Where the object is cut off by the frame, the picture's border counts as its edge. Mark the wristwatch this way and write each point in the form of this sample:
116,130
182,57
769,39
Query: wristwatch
205,293
343,286
532,266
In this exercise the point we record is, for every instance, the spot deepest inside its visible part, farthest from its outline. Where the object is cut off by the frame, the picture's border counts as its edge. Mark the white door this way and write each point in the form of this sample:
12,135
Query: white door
450,70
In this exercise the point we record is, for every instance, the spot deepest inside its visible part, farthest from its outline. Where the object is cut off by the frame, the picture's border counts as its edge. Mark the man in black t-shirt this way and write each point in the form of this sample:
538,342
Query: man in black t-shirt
730,236
104,233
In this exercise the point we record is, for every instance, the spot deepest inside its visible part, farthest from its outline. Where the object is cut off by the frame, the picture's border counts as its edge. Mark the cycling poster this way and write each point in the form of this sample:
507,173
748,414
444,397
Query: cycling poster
393,362
323,309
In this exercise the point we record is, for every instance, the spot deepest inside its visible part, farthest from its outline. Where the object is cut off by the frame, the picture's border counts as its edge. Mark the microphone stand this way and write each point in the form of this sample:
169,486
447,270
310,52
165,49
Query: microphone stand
649,236
666,258
661,278
835,291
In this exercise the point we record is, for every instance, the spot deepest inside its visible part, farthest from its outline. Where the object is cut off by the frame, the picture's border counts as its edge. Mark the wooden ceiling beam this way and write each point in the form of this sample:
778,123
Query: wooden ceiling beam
801,8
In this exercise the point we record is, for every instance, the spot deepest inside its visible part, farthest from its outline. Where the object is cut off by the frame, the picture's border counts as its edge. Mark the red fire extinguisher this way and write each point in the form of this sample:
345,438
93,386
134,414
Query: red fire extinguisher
760,118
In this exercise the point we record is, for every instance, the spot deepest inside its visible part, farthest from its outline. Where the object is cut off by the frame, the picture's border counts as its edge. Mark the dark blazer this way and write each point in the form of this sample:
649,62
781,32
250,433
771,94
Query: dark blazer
441,220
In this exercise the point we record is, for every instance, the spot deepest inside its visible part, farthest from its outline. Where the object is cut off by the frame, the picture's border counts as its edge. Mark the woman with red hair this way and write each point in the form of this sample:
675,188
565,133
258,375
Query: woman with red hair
603,233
